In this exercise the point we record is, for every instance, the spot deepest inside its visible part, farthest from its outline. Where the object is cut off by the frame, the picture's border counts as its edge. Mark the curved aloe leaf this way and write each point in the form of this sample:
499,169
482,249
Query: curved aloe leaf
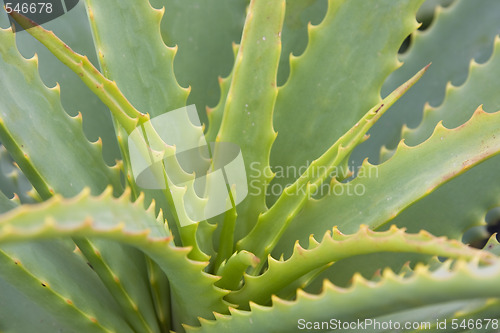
445,155
146,75
464,201
248,111
74,28
105,89
215,114
13,314
461,203
77,298
45,131
455,30
318,104
119,220
274,222
12,180
125,113
298,16
232,269
14,304
201,58
337,246
365,299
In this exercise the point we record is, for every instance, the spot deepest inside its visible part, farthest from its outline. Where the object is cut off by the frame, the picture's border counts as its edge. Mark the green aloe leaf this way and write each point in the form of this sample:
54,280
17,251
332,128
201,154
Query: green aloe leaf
461,203
191,25
74,28
318,104
13,314
298,16
232,270
105,89
274,222
365,299
216,113
460,39
51,132
445,155
119,220
249,106
14,304
46,130
125,113
131,291
146,75
337,246
77,297
464,201
12,180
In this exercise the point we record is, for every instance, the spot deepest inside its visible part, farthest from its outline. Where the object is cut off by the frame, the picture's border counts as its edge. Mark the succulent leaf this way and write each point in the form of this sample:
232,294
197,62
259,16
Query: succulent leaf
140,249
46,128
12,180
216,113
298,16
151,66
445,155
13,308
74,29
453,30
274,222
130,224
365,299
464,201
105,89
191,25
77,298
145,75
318,104
249,106
336,246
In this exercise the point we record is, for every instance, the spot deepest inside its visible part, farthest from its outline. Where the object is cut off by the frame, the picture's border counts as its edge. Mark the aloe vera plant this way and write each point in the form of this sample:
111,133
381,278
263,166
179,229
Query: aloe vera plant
311,238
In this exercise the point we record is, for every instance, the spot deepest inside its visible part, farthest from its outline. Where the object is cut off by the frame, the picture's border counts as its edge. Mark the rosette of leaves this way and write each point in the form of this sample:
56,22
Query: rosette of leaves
293,83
